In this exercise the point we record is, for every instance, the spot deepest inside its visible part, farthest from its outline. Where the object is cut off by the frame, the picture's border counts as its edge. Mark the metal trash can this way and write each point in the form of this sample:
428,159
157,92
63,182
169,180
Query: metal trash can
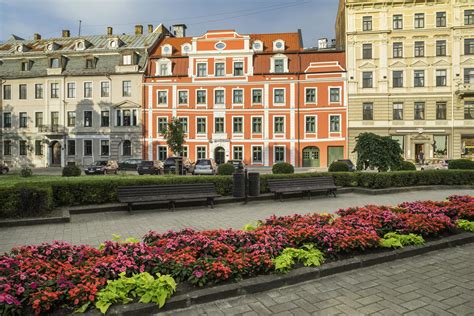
254,183
238,184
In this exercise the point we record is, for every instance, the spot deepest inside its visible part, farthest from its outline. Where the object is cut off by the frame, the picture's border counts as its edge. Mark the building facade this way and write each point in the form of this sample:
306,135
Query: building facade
410,68
260,98
73,99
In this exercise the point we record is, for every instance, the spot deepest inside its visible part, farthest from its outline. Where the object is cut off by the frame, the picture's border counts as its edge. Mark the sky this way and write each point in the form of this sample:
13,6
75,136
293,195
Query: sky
315,18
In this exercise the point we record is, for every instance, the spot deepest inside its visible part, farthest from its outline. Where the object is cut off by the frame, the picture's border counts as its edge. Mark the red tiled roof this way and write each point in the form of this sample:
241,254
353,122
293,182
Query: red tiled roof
292,40
175,43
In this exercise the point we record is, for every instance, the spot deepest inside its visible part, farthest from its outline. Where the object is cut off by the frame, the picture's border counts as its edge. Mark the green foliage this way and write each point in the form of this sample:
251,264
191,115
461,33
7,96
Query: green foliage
250,227
465,225
118,239
308,255
174,135
463,164
406,165
395,240
25,201
283,168
72,171
26,172
143,285
338,166
380,152
225,169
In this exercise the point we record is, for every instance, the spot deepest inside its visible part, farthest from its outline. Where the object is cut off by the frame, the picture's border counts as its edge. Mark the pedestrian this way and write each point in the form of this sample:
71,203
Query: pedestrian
421,157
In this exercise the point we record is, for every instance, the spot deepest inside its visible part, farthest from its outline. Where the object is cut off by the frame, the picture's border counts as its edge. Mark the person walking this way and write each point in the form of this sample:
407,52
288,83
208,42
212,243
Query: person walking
421,157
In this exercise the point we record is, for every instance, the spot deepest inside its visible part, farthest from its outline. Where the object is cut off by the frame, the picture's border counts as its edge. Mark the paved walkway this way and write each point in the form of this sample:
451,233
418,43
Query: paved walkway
437,283
93,229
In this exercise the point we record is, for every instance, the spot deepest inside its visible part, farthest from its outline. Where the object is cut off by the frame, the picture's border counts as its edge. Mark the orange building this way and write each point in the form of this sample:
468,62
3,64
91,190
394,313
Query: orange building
261,98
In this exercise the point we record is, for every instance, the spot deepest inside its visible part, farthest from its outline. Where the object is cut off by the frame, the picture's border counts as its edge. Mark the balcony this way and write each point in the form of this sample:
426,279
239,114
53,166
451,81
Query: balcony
53,129
465,90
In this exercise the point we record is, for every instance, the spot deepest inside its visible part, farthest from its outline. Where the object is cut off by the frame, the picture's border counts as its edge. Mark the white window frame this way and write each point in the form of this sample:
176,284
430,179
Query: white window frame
84,90
160,62
158,132
251,96
251,155
84,148
214,96
197,67
187,92
170,51
183,49
162,105
196,151
243,125
251,125
206,129
225,68
196,95
243,96
257,49
187,122
275,48
101,88
243,151
284,97
214,125
315,124
186,149
340,94
158,151
84,118
285,63
67,90
315,95
244,73
100,144
274,153
329,124
284,125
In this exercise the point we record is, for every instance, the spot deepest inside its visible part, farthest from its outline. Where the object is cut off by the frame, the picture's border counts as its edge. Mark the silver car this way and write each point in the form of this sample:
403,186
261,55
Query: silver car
205,166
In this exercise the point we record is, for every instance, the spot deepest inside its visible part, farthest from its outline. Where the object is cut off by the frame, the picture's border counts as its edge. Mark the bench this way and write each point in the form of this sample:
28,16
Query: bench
167,193
303,185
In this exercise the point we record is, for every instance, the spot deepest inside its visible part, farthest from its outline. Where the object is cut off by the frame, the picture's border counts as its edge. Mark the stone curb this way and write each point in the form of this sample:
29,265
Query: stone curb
64,218
272,281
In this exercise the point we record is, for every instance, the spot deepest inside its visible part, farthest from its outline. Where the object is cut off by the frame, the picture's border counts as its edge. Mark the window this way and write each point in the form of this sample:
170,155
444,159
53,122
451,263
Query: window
127,59
398,22
126,117
468,75
105,89
55,120
104,147
279,65
54,90
440,110
219,97
25,66
183,97
23,120
440,146
279,153
7,120
184,123
87,118
469,46
367,111
201,96
441,75
90,63
104,118
220,70
7,92
38,91
200,152
23,91
278,124
397,78
71,118
7,147
23,149
441,48
334,95
419,49
238,125
335,123
126,88
87,147
419,78
54,63
163,97
367,51
468,17
257,154
164,69
87,89
310,95
440,19
162,153
71,147
218,125
238,153
162,125
257,96
279,96
310,124
126,148
367,79
419,110
201,125
398,50
367,23
469,110
184,152
71,90
238,96
419,20
38,119
201,69
238,68
398,111
256,125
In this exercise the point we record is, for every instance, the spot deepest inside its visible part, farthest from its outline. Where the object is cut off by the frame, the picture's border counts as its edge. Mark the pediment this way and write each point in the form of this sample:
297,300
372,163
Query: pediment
398,64
420,63
442,62
468,61
368,65
127,104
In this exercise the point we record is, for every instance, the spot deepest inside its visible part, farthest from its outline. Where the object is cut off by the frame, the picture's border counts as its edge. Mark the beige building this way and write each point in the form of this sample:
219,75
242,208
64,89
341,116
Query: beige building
73,99
410,74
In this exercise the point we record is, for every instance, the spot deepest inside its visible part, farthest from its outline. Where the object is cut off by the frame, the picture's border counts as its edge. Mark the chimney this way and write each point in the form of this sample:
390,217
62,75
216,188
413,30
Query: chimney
150,28
179,30
322,43
138,29
110,30
66,33
36,36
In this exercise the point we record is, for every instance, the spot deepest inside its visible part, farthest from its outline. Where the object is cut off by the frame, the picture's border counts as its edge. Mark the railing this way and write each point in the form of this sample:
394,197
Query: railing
54,129
465,89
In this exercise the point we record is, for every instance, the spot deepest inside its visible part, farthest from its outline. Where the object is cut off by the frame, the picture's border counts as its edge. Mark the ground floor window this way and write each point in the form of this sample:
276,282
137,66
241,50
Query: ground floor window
184,152
467,143
201,152
257,153
87,147
440,146
38,148
238,153
279,153
7,147
127,148
162,153
104,147
71,147
23,148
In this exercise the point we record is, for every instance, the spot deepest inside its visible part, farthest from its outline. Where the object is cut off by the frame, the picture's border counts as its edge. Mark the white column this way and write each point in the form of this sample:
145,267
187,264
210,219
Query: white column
150,122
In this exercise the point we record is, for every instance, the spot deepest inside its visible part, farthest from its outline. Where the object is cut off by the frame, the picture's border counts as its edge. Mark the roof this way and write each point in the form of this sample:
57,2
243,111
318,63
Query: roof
175,43
293,41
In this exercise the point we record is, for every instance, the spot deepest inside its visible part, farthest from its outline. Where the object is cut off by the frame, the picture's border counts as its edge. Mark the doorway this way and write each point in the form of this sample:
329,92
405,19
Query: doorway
418,149
311,157
56,154
335,153
219,155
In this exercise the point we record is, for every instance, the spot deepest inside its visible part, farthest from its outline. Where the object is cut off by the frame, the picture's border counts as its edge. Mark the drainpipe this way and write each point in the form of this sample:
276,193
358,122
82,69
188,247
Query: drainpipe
111,115
298,164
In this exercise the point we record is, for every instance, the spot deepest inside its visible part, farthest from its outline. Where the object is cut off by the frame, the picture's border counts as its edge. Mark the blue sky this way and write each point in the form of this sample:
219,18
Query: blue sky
315,18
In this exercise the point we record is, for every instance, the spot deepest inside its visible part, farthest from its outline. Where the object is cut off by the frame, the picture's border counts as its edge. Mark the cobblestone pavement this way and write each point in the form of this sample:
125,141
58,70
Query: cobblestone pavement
93,229
437,283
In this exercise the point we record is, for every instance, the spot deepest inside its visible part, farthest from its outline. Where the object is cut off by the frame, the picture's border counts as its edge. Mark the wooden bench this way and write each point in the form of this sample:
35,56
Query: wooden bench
303,185
167,193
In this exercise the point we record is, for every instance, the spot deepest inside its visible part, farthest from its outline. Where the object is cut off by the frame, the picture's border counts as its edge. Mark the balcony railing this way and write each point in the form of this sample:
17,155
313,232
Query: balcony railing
465,89
52,129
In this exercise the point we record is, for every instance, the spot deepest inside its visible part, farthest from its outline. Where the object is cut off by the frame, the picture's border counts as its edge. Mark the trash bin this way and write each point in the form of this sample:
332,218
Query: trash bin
238,184
254,183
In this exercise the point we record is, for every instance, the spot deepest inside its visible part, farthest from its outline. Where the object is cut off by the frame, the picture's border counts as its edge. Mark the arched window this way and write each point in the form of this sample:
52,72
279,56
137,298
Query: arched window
127,148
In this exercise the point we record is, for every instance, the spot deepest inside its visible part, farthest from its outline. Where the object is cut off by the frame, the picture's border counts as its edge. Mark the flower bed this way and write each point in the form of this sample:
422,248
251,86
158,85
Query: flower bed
50,276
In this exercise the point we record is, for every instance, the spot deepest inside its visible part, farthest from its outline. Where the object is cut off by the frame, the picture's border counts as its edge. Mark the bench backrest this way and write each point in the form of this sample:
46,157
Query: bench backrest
167,189
310,182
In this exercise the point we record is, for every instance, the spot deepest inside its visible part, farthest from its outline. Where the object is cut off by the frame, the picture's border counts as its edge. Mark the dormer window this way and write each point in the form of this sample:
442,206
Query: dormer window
81,45
127,59
185,49
163,67
91,62
25,66
54,63
166,50
279,45
21,48
114,43
257,46
51,47
279,64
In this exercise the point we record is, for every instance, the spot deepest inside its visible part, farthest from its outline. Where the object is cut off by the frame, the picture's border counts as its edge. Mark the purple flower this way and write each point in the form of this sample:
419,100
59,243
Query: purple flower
198,274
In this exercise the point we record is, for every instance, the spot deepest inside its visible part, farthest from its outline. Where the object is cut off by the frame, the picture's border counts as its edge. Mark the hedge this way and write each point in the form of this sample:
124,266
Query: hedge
461,164
25,201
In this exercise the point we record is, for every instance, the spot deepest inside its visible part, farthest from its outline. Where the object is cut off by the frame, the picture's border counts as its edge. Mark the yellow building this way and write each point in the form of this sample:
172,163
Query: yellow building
410,74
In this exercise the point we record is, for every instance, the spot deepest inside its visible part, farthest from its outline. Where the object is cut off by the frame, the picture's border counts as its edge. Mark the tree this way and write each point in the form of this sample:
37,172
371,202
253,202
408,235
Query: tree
175,137
374,151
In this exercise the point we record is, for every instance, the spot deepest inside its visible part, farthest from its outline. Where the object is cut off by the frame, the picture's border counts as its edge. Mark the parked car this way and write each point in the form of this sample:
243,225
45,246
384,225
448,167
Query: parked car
349,164
238,164
4,169
170,164
150,167
433,165
102,167
129,164
205,166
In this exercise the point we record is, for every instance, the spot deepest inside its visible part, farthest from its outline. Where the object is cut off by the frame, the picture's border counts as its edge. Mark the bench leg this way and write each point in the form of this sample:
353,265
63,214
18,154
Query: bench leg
334,193
281,197
210,201
129,208
172,206
309,195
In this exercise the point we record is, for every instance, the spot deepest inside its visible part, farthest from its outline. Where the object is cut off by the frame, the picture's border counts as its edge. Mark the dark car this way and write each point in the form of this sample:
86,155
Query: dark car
349,164
102,167
150,167
170,164
129,164
238,164
4,169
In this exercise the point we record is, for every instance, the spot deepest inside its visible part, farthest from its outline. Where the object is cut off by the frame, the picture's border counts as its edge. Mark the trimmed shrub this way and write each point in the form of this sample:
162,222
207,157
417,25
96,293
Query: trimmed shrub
25,201
26,172
338,166
72,171
406,165
225,169
461,164
283,168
